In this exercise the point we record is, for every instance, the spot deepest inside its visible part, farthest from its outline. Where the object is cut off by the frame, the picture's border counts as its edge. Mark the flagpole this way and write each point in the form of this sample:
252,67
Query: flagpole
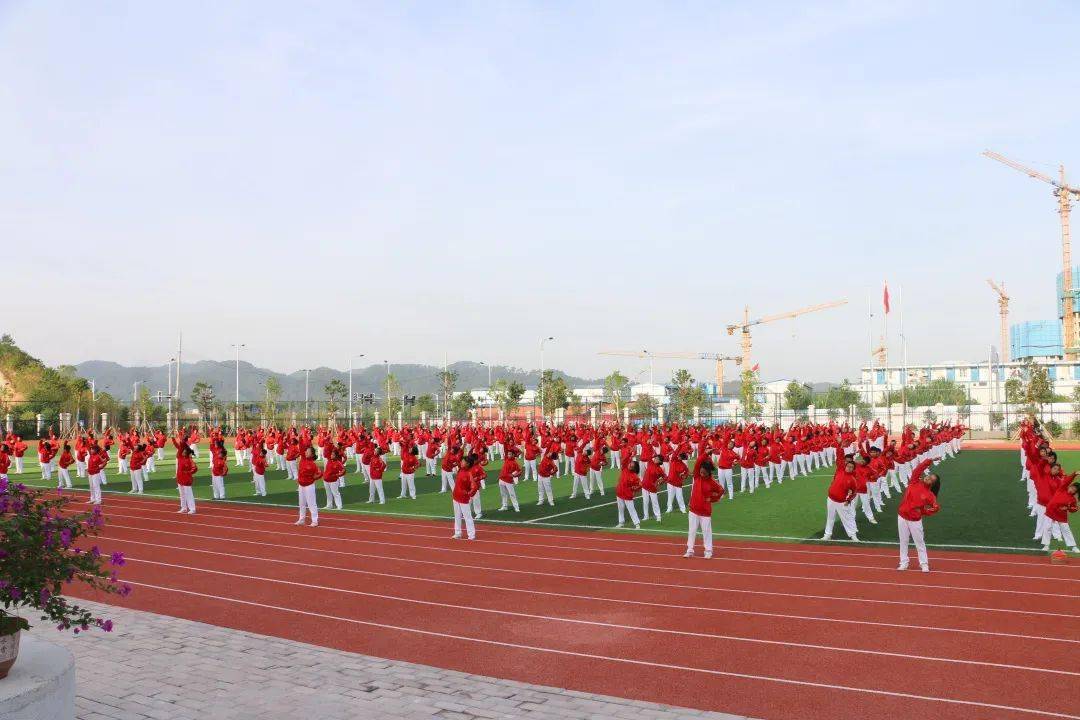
885,344
903,356
870,306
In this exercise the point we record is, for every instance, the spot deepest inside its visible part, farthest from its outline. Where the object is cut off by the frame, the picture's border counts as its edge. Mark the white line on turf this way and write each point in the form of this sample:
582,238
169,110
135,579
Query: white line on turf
640,663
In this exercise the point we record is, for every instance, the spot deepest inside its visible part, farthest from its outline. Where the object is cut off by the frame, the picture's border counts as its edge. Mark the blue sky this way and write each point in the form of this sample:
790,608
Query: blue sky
408,179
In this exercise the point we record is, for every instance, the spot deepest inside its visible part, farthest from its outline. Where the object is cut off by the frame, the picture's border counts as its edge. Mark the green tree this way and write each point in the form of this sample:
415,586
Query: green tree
798,396
748,394
1038,390
447,381
615,387
687,395
1014,391
392,388
644,405
946,392
270,402
426,404
460,405
507,395
202,395
334,391
554,391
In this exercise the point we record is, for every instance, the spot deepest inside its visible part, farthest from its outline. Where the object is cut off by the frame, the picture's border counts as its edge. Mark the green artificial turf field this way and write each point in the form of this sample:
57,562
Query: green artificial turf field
983,502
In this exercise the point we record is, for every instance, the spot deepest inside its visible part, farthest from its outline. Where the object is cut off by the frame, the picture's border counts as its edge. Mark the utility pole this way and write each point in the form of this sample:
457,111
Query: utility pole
540,385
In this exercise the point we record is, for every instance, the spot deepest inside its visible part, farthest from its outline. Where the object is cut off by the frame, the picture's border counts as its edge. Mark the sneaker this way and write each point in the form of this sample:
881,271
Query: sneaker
708,556
502,509
314,524
620,525
298,522
873,521
826,537
190,512
455,536
689,554
1074,549
901,567
181,510
637,527
925,568
479,515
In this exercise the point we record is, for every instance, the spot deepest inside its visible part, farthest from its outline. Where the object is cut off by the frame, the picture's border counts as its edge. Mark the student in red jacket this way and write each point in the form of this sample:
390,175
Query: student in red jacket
95,467
919,501
1061,503
307,472
704,492
258,471
136,462
376,468
545,471
508,477
629,483
677,474
410,461
63,478
650,487
841,495
218,470
332,474
185,476
464,487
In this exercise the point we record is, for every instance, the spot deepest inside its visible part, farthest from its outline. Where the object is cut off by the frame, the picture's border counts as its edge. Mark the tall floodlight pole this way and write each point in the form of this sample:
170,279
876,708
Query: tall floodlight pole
541,383
354,357
307,407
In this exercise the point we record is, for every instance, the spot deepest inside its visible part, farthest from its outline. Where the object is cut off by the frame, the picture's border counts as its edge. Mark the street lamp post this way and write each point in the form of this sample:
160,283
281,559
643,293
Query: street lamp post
541,383
307,407
237,409
652,379
387,364
354,357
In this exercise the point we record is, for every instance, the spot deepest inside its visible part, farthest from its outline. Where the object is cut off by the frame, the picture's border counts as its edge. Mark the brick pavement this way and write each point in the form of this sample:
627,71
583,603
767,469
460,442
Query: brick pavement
154,667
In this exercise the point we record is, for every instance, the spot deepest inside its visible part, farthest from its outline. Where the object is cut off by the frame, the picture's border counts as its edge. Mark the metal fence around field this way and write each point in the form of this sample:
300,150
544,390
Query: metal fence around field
30,420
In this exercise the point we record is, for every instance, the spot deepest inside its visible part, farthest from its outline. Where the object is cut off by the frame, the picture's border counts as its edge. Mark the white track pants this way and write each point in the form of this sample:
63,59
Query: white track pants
507,494
376,487
705,524
846,513
260,484
627,506
187,499
726,476
675,496
63,479
308,501
463,512
911,531
545,490
137,481
95,487
408,485
649,499
217,483
333,495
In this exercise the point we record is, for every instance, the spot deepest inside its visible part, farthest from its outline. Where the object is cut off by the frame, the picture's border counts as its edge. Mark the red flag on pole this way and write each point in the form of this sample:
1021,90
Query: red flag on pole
886,298
755,368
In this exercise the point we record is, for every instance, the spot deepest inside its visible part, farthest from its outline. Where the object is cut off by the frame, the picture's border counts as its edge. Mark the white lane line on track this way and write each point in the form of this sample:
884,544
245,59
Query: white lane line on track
547,593
772,576
620,539
639,663
890,569
611,625
666,586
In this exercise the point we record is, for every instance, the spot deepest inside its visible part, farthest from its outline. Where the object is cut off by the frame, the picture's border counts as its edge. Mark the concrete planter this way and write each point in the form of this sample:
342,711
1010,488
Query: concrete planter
9,651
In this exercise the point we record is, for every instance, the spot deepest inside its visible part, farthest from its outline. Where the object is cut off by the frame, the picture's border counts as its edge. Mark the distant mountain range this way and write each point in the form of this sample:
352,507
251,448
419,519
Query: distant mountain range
119,380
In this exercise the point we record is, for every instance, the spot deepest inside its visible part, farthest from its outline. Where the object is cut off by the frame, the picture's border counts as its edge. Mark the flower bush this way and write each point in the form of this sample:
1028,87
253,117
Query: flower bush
40,553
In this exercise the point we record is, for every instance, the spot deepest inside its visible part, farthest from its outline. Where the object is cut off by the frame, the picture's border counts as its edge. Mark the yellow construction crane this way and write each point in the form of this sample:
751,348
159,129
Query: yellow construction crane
747,323
1003,306
682,356
1064,194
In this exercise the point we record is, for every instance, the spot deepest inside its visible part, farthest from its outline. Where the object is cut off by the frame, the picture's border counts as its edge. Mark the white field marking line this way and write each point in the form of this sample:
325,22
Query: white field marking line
593,656
548,593
571,512
799,549
612,625
609,528
666,586
620,551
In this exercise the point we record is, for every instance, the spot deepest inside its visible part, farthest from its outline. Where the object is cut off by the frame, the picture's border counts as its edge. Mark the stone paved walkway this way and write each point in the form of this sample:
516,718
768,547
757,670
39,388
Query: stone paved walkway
154,667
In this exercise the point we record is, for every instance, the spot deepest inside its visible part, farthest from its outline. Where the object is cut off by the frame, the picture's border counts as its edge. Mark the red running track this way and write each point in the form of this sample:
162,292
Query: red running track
763,630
